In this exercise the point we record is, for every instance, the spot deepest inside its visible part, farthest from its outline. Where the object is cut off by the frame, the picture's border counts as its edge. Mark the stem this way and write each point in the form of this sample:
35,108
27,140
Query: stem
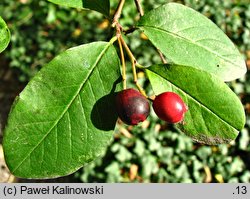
130,30
118,13
152,98
133,61
141,12
139,7
164,61
113,39
130,54
123,64
122,44
116,24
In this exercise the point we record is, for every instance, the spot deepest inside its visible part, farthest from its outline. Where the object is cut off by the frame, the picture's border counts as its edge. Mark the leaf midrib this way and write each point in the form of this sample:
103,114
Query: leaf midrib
191,42
67,107
196,100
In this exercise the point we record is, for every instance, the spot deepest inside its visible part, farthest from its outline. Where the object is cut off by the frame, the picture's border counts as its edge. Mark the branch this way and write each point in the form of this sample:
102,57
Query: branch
118,13
139,7
164,61
140,10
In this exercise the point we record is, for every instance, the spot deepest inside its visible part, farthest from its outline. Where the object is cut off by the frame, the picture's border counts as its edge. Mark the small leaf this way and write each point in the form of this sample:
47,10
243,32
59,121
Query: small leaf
64,118
188,38
4,35
101,6
215,114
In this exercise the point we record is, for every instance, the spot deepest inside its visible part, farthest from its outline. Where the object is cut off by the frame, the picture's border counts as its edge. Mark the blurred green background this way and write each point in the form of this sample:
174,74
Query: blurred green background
152,151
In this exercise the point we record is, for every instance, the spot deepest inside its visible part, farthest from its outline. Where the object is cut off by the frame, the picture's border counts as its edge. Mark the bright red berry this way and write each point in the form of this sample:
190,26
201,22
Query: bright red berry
132,107
169,107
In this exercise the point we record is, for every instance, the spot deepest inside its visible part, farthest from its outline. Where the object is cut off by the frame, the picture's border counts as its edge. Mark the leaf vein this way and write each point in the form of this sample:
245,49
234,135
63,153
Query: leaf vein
197,101
70,136
67,107
92,92
187,28
192,42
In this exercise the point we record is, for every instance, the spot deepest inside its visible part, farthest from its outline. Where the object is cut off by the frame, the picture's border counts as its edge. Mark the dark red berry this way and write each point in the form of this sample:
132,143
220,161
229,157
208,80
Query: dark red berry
132,107
169,107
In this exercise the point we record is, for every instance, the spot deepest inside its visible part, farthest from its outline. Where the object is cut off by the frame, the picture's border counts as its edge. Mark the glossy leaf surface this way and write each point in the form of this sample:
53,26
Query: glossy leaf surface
64,118
4,35
215,114
188,38
101,6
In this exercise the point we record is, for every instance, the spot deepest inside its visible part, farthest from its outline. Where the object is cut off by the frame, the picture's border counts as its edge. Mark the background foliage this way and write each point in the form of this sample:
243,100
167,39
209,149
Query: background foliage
153,151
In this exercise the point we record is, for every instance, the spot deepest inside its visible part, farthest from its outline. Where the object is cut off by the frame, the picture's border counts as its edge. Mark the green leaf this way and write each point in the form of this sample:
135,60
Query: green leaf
188,38
4,35
215,114
101,6
64,118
